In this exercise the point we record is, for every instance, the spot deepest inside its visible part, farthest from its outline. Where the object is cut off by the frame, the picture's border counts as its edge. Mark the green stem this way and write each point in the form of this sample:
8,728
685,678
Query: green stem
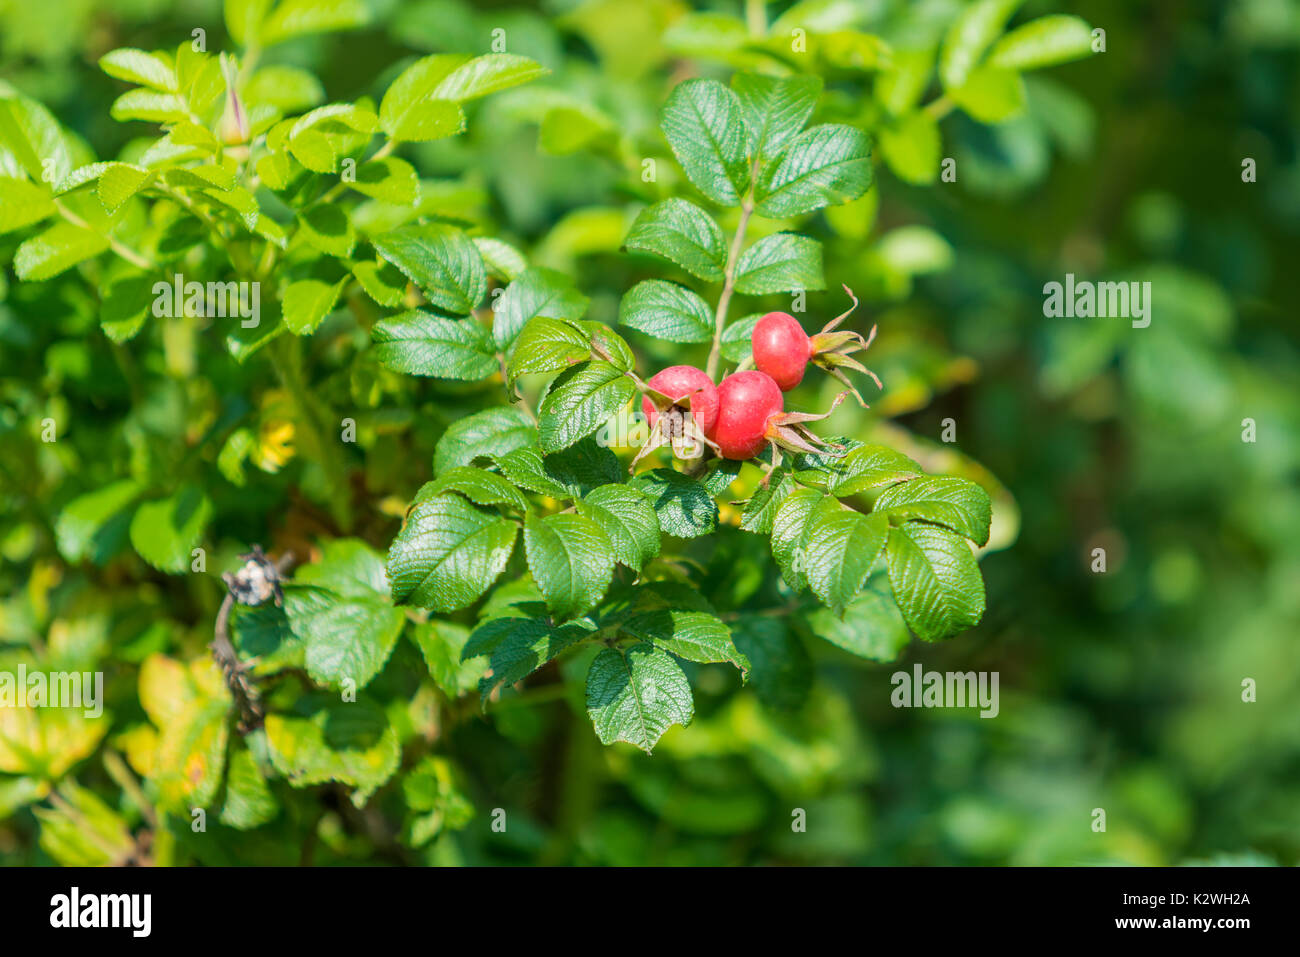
120,773
939,108
728,286
307,407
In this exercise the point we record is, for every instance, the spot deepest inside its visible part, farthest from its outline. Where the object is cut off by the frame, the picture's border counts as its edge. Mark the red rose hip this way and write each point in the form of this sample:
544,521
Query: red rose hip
781,349
746,401
679,382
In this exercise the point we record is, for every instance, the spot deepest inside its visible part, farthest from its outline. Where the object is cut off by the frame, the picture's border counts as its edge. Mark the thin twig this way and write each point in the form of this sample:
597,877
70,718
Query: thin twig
729,284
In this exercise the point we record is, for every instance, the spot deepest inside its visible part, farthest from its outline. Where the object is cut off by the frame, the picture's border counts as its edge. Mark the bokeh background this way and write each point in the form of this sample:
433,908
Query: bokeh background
1120,691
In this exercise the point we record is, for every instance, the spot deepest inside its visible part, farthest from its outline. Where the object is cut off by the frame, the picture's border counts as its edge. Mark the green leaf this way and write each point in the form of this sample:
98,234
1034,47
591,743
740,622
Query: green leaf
348,638
579,402
478,485
244,20
491,432
149,106
709,35
667,311
912,148
314,150
780,262
536,292
238,199
683,233
137,66
684,507
31,133
822,166
349,567
959,503
307,303
547,345
790,527
441,644
636,694
448,553
56,250
935,578
975,28
336,117
119,182
295,18
841,547
571,559
389,179
899,87
325,739
501,259
441,260
869,467
584,465
275,169
328,229
489,73
568,128
189,705
80,829
408,112
527,468
199,177
94,526
775,108
22,203
720,475
760,511
249,802
286,88
125,305
703,122
737,338
1046,41
263,632
165,531
522,619
525,647
627,518
871,626
819,468
191,134
420,343
382,281
781,672
991,95
693,635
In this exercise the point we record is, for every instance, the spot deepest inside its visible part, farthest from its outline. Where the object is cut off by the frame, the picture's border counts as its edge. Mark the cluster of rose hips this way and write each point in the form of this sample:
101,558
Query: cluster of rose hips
746,411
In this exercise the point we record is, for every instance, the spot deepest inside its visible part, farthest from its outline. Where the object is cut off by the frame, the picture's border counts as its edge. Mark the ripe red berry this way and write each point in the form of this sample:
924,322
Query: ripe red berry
781,349
678,382
746,401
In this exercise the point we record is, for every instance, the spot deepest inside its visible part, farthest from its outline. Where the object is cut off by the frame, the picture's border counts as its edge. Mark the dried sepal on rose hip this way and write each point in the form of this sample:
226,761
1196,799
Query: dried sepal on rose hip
783,350
681,406
751,416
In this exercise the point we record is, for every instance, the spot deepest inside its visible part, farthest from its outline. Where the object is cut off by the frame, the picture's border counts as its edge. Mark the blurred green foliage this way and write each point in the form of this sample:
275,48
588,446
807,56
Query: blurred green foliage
1120,691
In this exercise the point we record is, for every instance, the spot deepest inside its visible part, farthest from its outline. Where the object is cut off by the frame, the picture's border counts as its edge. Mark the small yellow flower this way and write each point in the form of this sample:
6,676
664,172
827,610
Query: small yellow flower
274,445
